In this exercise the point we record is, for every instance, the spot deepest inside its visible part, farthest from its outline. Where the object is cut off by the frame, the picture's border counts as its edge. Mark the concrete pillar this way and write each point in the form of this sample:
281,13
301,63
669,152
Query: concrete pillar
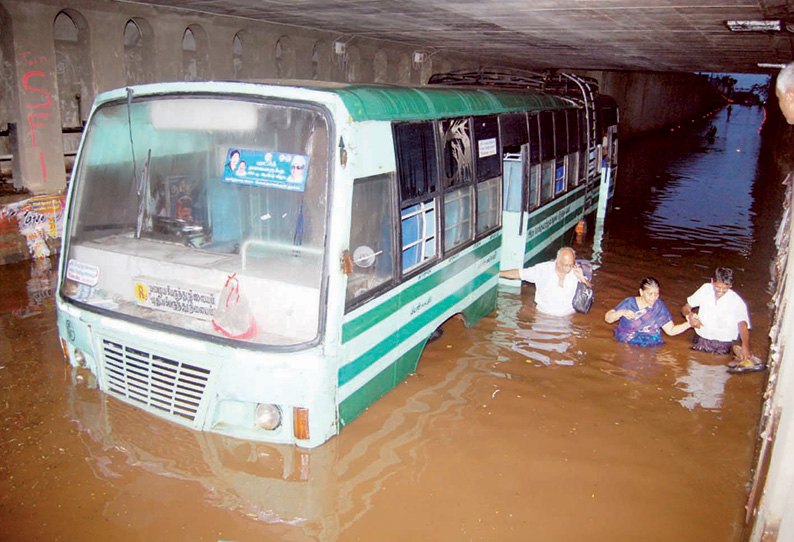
38,153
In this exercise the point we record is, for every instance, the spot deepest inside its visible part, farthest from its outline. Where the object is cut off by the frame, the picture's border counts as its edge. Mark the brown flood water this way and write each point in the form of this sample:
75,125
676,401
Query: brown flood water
523,427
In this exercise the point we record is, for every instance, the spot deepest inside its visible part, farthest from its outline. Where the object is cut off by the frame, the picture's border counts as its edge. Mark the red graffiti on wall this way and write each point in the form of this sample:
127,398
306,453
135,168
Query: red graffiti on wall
34,118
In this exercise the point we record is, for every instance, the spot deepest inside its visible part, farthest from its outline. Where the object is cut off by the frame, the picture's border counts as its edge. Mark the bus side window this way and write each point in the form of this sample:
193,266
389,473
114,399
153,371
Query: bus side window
418,182
586,143
489,169
514,137
418,234
458,171
574,146
372,227
546,156
560,150
512,182
533,162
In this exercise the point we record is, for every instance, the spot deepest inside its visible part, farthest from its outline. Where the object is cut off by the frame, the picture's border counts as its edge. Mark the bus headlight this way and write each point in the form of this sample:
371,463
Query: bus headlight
268,417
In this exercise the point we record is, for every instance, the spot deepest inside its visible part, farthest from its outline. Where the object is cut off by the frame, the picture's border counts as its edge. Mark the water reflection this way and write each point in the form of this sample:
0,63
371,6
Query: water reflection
700,191
704,385
40,289
269,483
546,342
322,491
641,364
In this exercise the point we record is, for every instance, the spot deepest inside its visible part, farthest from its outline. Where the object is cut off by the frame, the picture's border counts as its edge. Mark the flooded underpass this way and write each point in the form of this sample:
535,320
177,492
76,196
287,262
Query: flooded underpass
524,427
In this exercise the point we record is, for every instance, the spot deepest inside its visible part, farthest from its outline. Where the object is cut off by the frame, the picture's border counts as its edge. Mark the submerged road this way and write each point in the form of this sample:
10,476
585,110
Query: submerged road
523,427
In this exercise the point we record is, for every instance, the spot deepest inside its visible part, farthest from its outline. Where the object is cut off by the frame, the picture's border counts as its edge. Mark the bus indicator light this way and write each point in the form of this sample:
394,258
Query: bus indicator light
300,423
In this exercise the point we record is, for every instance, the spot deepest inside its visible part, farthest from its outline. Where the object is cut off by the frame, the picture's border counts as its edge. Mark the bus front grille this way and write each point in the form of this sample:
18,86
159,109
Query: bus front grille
170,386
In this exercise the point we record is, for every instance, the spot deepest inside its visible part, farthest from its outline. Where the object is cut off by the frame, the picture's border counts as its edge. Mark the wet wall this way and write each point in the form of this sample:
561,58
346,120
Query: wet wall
58,59
770,508
651,101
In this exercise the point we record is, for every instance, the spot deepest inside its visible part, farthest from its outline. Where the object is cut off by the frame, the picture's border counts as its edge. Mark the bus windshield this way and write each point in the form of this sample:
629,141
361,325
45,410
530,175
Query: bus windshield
205,214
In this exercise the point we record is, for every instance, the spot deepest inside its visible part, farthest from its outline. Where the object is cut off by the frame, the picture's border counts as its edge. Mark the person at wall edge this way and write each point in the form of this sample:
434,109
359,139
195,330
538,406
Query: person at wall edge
784,90
722,317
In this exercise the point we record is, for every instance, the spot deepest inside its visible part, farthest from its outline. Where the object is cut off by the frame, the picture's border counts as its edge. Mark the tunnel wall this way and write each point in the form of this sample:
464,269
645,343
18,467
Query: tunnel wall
770,507
651,101
56,56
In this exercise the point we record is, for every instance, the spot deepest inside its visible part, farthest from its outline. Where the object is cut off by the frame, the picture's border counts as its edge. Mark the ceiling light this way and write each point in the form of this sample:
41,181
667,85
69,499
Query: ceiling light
753,26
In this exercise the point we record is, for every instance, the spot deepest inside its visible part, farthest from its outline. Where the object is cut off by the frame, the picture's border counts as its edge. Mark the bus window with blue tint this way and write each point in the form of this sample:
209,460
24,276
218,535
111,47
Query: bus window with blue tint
417,175
372,227
418,234
559,176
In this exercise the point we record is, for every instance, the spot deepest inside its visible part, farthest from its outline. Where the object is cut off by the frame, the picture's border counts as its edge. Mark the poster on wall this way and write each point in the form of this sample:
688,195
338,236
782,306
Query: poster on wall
282,170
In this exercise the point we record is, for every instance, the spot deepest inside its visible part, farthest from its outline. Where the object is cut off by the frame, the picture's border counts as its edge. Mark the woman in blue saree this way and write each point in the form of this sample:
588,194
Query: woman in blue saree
643,317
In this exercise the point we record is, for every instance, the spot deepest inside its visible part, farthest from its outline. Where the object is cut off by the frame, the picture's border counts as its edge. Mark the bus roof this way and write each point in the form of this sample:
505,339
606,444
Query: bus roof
371,101
368,102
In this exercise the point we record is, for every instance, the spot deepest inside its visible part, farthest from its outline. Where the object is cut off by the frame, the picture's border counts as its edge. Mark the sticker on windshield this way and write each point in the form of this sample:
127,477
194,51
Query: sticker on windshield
174,298
281,170
84,273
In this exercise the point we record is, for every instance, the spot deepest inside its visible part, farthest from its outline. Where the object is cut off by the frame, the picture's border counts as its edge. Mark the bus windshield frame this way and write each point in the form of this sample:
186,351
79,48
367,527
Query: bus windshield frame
205,214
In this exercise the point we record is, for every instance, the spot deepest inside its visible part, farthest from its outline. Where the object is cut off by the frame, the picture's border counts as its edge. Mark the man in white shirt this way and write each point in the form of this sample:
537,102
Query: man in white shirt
722,318
784,90
555,282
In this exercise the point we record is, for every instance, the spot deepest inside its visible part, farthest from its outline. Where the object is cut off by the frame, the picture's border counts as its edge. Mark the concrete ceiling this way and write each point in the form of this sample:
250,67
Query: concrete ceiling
659,35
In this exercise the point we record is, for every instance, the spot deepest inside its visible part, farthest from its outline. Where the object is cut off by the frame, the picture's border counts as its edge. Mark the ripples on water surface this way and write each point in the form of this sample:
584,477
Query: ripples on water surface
524,427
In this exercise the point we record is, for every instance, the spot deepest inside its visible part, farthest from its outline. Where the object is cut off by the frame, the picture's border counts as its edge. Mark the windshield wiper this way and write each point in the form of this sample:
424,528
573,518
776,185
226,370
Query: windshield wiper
143,195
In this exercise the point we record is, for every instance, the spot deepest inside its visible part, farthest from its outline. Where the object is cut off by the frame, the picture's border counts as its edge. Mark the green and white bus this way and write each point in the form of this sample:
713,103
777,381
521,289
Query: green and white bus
266,260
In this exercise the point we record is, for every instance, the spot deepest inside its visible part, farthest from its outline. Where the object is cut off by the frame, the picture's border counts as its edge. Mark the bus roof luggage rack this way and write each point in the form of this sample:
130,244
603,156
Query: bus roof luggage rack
549,81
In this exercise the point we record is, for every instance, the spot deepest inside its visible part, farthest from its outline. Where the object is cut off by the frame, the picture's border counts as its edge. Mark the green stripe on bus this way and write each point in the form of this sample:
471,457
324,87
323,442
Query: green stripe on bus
353,328
542,214
350,408
349,371
553,230
574,212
